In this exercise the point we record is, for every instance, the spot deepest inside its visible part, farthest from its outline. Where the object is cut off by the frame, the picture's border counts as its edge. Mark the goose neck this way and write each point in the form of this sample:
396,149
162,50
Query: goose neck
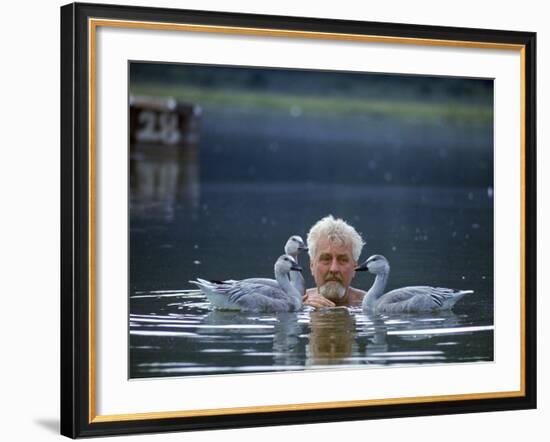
284,282
294,255
376,290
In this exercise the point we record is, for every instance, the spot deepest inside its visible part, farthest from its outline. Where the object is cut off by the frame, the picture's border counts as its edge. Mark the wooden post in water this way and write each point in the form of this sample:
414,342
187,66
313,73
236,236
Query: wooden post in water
164,161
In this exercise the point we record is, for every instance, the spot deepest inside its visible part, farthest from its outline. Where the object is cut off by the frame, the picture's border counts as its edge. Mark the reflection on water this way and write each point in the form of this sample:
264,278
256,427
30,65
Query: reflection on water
183,336
331,336
164,149
162,176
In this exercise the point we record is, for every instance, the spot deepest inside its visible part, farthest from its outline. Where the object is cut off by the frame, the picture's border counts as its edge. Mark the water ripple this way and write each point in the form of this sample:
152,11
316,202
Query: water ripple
176,333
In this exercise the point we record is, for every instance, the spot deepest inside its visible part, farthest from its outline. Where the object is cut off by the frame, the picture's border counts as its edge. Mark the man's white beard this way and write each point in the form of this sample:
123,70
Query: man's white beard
332,290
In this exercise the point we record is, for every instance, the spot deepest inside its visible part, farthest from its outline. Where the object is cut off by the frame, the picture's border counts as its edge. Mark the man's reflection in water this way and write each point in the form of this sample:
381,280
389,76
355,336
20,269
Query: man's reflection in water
332,336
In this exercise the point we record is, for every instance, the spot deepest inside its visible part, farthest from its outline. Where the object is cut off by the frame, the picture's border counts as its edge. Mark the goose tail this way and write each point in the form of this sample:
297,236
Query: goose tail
215,292
458,295
201,283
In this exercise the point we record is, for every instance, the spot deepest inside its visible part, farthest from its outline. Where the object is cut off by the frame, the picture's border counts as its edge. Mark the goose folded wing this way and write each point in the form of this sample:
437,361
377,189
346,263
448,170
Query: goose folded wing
258,297
262,281
241,289
402,294
441,294
420,296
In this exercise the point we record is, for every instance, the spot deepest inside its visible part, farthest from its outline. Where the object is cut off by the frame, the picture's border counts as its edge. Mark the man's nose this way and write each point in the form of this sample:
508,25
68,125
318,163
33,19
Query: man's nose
334,266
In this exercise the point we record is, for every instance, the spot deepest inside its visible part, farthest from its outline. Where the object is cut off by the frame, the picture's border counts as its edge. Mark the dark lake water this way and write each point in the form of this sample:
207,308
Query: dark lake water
417,186
220,230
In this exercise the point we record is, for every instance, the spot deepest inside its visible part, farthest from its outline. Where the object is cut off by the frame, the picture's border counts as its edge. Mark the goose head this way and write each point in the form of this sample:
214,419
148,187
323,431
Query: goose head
285,264
375,264
295,245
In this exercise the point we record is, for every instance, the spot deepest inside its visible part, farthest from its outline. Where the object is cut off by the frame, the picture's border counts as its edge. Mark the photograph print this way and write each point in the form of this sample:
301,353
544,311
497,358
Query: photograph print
292,219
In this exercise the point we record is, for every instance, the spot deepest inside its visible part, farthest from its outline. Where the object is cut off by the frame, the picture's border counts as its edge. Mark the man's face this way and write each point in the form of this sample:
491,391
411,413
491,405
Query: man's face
333,267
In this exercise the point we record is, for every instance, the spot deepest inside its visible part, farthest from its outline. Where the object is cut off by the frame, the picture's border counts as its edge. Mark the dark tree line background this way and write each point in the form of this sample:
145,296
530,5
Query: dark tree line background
261,124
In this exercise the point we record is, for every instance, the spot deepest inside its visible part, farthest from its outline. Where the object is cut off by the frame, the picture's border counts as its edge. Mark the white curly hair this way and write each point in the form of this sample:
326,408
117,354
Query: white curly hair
337,230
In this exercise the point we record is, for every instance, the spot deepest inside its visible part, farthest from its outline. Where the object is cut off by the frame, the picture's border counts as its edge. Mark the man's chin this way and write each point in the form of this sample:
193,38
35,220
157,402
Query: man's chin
333,291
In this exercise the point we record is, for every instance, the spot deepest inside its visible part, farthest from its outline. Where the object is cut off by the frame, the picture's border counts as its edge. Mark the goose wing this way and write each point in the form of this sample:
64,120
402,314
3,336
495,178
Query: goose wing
264,281
258,297
296,279
242,288
420,298
441,295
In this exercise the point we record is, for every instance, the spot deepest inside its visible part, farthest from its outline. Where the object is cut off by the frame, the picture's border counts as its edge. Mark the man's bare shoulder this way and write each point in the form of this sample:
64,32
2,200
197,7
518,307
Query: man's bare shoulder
355,296
356,292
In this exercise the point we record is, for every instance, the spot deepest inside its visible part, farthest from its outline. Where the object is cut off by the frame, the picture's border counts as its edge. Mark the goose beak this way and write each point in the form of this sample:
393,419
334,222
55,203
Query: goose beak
362,268
303,248
296,268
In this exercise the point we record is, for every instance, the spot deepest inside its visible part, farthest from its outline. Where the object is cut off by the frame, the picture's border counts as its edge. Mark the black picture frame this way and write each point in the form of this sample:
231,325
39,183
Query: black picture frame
77,250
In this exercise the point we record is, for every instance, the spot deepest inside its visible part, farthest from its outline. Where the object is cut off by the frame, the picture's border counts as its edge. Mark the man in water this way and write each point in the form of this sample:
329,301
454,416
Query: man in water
334,250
